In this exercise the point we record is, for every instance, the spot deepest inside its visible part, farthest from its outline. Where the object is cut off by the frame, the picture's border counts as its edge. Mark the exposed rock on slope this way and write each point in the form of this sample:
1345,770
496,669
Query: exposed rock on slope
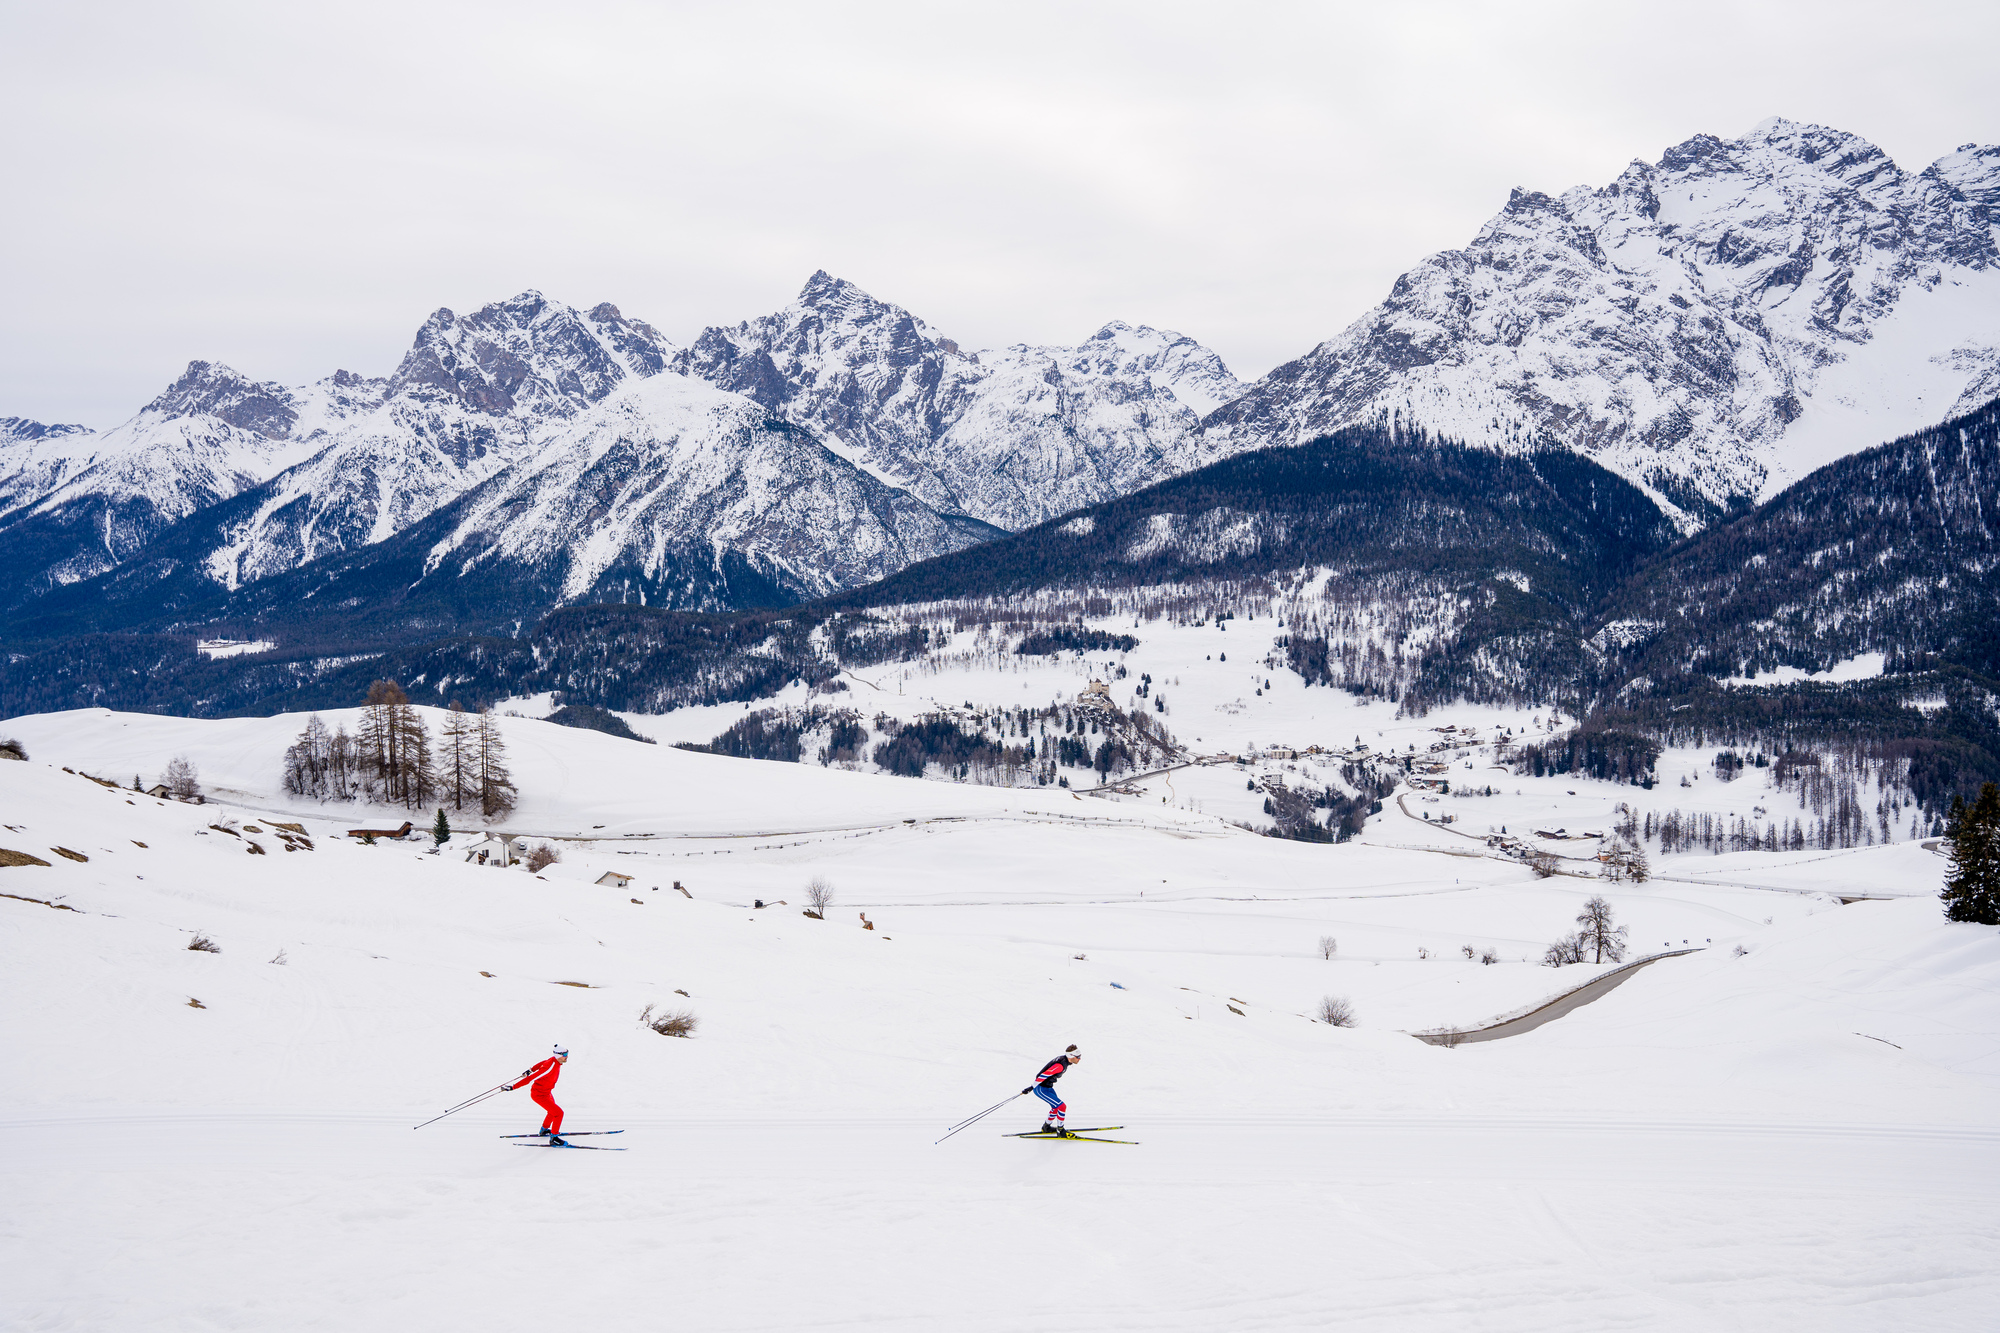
1713,326
1011,436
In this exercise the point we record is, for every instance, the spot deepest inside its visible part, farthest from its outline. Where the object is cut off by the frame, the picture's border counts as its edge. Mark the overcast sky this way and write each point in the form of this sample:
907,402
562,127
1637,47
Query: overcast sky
292,189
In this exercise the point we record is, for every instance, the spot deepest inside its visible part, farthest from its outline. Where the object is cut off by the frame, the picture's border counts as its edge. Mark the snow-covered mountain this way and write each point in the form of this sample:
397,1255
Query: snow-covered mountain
472,395
77,504
1012,436
667,493
36,457
1713,326
343,462
921,432
674,493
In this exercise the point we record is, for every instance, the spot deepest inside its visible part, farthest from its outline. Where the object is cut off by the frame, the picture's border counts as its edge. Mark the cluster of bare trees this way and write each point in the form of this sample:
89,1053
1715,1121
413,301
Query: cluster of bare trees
392,757
181,777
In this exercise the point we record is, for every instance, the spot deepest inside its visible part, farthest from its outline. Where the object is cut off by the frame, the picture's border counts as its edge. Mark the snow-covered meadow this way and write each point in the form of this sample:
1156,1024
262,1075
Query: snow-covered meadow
1796,1136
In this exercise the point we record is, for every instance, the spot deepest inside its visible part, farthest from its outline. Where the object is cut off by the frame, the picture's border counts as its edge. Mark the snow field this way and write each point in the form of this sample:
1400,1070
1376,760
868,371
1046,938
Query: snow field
1722,1142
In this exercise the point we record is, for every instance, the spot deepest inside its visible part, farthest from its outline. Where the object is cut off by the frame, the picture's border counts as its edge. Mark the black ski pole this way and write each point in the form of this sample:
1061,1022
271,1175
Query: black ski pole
967,1124
469,1101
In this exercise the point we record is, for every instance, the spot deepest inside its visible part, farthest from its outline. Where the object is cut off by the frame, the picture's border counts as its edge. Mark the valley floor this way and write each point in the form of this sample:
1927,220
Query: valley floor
1797,1136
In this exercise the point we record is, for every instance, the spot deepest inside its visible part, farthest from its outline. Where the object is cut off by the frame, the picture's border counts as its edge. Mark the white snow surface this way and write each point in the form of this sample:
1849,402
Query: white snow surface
214,648
1800,1137
1864,666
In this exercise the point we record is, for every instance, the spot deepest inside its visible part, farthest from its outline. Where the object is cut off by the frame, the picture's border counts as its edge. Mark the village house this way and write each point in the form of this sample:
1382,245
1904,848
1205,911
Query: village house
612,879
495,849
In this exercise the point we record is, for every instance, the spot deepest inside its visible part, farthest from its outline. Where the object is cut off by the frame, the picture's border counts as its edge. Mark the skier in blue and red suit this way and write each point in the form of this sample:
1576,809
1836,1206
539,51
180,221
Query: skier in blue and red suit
1045,1088
541,1081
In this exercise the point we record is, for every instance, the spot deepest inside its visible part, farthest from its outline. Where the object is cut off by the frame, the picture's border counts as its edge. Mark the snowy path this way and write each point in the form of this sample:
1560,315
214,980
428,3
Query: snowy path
1407,1224
1567,1002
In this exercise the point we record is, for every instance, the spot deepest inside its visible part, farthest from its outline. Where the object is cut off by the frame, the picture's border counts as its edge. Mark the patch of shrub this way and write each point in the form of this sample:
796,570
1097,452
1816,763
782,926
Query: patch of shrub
540,857
1337,1011
669,1023
203,944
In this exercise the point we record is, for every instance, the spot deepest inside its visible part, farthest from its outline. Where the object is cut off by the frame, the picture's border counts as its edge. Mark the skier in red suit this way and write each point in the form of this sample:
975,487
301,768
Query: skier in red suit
541,1081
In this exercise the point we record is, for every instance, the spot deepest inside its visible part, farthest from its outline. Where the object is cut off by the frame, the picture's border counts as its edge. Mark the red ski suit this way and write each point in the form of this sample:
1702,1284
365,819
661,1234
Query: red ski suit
544,1077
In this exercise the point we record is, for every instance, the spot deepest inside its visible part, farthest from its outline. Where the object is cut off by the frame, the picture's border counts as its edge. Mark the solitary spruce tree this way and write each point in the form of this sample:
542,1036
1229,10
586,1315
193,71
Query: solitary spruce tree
1972,889
441,831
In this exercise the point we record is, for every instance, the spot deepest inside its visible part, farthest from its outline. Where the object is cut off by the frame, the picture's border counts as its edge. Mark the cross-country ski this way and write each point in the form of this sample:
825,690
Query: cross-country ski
565,1143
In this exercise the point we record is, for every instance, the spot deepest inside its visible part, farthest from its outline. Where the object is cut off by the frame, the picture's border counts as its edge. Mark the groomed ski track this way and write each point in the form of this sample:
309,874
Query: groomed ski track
353,1222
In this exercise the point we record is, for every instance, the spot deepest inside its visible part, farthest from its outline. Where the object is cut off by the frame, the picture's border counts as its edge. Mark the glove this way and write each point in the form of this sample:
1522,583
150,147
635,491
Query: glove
1025,1091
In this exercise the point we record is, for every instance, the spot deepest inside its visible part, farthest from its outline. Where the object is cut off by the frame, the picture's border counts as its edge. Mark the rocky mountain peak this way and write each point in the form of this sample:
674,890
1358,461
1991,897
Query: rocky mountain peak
826,292
209,388
529,353
1974,171
1172,362
20,430
834,310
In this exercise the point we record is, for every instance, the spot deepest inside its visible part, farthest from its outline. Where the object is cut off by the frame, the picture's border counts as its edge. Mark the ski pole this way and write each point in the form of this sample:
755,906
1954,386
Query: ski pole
469,1101
967,1124
988,1111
